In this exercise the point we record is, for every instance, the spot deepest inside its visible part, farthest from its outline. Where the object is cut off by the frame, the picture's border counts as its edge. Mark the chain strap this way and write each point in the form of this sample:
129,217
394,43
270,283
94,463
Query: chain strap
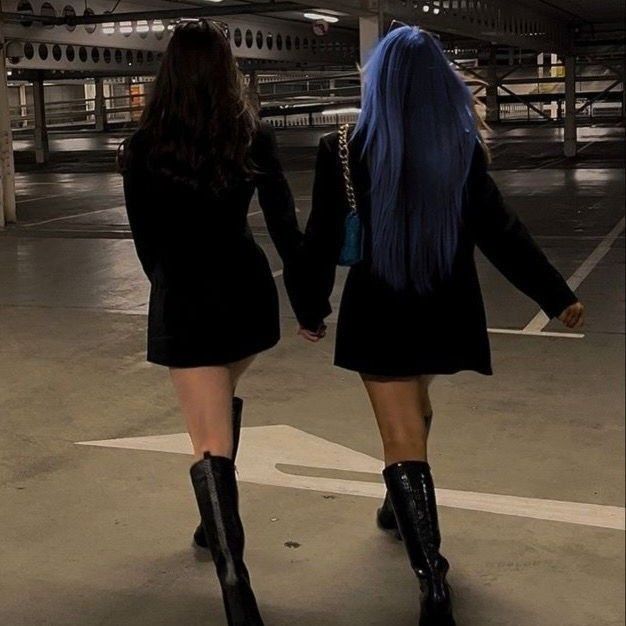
344,155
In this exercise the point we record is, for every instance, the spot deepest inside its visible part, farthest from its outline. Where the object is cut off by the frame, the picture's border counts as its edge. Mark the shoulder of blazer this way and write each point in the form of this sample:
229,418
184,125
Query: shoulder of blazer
330,141
131,153
265,136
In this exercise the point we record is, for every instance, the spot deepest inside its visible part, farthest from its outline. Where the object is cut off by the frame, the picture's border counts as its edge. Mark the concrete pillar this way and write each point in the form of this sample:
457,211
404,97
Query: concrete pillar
100,106
42,149
369,31
493,106
571,131
8,213
23,106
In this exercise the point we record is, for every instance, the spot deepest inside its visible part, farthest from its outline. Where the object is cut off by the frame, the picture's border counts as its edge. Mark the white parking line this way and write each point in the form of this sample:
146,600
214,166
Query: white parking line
530,333
261,212
56,195
71,217
540,321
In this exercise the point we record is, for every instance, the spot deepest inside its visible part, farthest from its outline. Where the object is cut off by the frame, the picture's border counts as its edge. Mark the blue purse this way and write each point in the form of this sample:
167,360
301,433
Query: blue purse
352,248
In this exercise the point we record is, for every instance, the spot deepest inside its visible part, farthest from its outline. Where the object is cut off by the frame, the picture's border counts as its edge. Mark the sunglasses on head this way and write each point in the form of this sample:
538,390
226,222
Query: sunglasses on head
201,23
398,24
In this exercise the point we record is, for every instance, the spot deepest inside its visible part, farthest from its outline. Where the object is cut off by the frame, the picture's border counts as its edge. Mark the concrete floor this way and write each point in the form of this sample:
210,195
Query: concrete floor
101,535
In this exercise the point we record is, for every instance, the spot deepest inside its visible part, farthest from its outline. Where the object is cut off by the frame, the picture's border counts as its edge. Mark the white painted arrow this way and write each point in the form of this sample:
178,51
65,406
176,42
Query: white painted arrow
267,452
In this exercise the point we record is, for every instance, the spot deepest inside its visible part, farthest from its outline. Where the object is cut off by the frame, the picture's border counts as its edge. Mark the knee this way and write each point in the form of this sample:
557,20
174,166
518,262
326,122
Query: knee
405,436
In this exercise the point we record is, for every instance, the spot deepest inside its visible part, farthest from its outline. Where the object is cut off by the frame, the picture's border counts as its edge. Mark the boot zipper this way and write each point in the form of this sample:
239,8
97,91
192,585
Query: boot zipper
231,575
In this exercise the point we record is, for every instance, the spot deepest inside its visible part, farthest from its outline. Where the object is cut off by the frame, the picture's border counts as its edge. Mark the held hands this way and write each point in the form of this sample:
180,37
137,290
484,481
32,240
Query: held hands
574,316
313,337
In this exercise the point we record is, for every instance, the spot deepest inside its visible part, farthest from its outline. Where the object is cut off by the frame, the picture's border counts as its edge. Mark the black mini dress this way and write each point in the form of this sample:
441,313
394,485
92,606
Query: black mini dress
389,333
213,297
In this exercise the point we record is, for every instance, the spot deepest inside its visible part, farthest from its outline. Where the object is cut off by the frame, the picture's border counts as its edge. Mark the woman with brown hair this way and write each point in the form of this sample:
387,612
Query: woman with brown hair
190,173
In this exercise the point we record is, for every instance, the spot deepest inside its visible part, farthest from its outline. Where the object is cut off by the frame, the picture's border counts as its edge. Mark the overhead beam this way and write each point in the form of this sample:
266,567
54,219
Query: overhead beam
159,14
259,38
493,21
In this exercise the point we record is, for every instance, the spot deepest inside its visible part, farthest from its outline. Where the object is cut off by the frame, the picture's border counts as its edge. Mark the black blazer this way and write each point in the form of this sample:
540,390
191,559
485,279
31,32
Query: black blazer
213,298
386,332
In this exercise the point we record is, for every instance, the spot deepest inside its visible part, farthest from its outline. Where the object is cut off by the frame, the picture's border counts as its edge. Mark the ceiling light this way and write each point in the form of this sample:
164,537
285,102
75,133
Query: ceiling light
126,28
108,28
320,16
426,8
142,26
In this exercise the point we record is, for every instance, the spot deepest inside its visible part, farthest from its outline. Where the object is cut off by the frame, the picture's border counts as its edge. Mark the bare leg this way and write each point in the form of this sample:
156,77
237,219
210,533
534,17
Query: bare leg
425,382
401,406
206,397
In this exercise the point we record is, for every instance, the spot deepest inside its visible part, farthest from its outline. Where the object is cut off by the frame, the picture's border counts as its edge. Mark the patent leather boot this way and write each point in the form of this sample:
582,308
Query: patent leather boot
385,517
215,486
412,495
199,539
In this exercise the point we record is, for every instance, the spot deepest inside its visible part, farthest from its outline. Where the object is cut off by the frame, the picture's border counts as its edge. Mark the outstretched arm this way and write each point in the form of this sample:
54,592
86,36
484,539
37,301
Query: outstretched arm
322,242
506,242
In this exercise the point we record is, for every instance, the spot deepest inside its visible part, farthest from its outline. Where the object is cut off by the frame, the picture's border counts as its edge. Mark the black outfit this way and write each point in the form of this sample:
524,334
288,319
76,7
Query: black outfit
385,332
213,300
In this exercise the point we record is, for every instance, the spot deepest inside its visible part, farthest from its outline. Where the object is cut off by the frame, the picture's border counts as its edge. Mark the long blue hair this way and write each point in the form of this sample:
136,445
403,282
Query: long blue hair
418,132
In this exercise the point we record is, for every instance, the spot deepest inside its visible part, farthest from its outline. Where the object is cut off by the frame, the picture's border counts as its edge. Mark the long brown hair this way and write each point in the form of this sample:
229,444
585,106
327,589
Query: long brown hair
200,121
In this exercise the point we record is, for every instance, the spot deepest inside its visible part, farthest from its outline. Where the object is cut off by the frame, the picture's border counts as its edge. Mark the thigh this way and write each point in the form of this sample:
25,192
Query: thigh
203,390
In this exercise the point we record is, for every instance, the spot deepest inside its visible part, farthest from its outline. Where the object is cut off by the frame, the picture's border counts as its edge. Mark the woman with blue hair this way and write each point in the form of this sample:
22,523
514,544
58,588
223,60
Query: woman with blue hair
405,200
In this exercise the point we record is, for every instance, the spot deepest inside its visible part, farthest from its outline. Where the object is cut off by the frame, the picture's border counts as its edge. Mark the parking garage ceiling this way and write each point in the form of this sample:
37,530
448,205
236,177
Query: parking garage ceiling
542,25
591,11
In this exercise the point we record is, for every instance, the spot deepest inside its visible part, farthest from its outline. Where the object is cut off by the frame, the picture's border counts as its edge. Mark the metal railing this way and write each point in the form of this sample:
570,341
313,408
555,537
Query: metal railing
59,114
315,99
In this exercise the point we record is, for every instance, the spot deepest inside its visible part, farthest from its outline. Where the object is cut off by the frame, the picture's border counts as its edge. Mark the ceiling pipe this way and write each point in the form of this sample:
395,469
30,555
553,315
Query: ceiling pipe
164,14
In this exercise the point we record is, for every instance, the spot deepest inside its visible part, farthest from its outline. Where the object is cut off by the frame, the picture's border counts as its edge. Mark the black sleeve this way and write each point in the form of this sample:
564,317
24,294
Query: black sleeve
275,197
322,241
506,242
138,207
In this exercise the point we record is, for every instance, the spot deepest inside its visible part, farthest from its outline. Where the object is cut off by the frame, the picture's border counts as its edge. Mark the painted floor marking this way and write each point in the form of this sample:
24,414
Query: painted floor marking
56,195
269,453
531,333
541,320
69,217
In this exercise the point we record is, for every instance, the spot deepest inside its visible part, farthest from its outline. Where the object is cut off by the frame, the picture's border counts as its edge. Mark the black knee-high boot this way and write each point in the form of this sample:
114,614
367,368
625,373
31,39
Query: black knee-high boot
412,494
198,537
385,517
215,485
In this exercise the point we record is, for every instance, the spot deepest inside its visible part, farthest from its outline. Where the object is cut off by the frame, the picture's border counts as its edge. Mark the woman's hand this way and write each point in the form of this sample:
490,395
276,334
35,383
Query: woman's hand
313,337
574,316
